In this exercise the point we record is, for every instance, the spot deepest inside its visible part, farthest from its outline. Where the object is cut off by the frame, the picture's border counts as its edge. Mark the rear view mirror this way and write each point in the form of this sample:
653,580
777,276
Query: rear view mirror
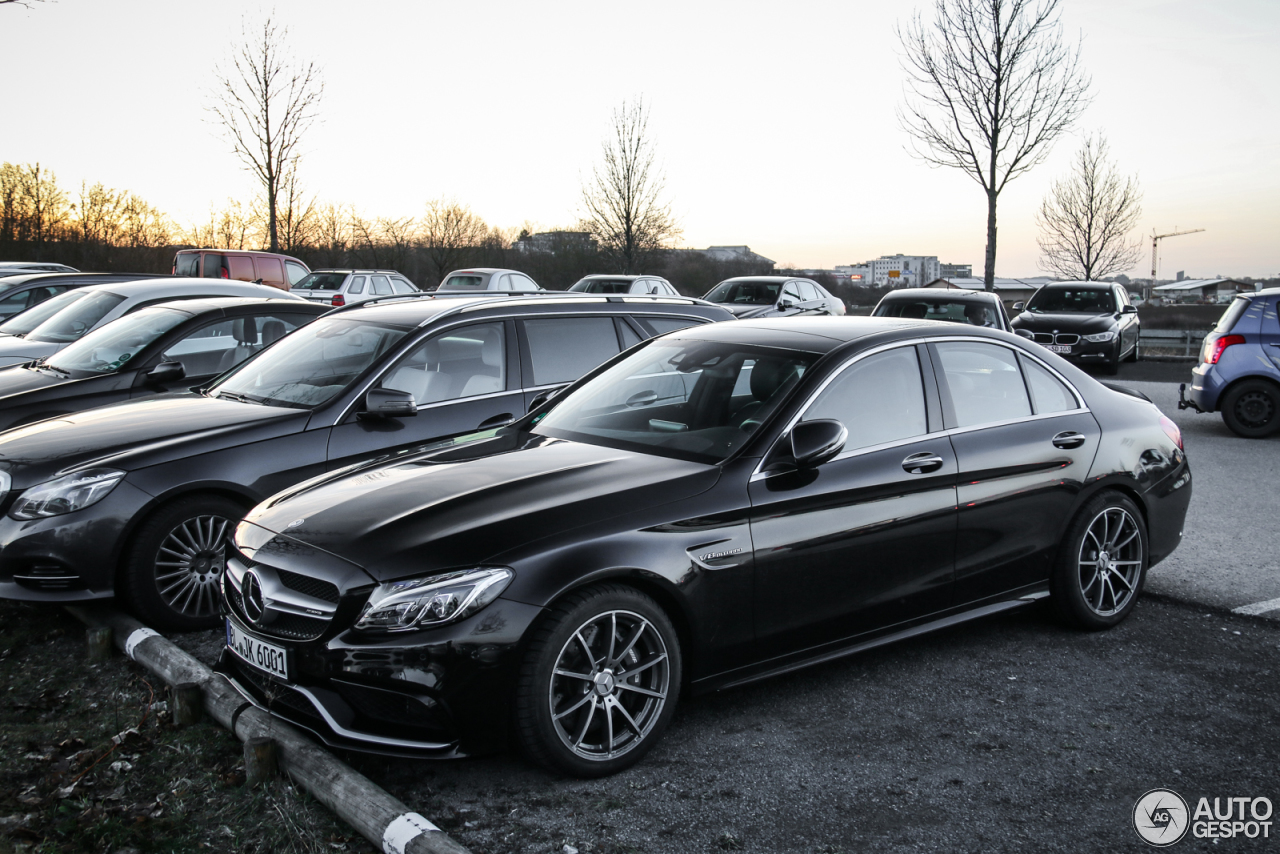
166,372
1129,309
389,403
815,442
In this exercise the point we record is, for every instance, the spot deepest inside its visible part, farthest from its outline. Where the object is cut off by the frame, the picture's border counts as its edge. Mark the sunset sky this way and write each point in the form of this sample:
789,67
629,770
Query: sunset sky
775,122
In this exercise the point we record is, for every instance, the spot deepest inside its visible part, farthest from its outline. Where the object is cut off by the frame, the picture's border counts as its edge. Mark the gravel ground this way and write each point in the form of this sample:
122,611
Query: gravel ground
1009,733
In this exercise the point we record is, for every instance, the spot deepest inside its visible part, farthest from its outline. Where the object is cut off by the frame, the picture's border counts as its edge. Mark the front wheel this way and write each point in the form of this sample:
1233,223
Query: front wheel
175,562
1252,409
599,682
1101,564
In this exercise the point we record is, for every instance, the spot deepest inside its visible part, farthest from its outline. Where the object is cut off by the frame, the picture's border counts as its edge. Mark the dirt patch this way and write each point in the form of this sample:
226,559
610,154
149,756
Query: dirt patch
90,761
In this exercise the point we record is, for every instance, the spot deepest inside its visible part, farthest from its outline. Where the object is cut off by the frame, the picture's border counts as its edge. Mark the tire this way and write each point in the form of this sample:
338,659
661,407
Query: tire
1133,354
1111,367
1252,409
571,714
1086,595
175,562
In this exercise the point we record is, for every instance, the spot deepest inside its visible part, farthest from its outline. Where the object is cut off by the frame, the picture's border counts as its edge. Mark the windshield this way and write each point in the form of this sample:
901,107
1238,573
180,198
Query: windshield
109,348
602,286
745,293
311,365
24,322
471,282
1086,300
693,400
975,314
76,319
321,282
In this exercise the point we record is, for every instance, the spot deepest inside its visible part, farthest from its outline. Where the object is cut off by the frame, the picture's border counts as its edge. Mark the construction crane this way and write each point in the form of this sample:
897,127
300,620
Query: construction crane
1155,242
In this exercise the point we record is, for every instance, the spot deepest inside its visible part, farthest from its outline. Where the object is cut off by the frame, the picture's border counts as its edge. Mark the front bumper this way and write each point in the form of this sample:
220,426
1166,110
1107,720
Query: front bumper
68,558
436,693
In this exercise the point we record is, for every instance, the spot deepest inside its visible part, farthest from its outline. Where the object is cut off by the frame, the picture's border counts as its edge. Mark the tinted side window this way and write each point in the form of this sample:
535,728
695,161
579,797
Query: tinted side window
186,264
270,270
459,363
983,382
356,286
215,267
564,348
629,336
381,285
663,325
401,286
1048,394
878,399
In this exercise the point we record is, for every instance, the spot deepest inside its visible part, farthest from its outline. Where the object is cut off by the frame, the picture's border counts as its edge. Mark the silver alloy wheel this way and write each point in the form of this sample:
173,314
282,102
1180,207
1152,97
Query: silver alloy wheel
190,563
609,685
1110,561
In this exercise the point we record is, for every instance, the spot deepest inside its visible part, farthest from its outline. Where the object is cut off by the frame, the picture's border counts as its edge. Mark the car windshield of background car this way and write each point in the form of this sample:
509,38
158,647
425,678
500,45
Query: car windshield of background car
76,319
921,310
24,322
312,365
603,286
745,293
116,343
692,400
464,283
1085,300
321,282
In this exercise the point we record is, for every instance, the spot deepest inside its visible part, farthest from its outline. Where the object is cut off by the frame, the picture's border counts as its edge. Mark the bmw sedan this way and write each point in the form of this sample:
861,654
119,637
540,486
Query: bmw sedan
716,506
1089,323
167,347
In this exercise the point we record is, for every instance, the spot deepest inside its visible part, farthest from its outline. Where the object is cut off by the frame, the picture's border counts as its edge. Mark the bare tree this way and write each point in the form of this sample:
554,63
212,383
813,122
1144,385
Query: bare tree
624,199
296,216
265,104
1086,218
449,232
990,86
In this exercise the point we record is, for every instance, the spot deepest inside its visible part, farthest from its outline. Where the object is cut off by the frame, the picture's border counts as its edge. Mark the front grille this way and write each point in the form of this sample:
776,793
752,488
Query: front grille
294,627
1067,338
285,626
309,586
1043,338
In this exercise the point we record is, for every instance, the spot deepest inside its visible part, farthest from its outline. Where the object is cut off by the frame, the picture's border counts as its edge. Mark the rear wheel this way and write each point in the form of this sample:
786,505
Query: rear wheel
1252,409
599,682
175,562
1101,564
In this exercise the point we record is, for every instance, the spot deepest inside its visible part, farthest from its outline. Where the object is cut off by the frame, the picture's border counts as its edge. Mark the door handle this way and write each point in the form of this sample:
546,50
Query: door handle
922,463
496,421
1069,439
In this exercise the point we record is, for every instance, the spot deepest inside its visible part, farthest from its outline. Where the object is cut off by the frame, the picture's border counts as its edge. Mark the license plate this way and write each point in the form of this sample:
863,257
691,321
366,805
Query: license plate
1058,348
265,656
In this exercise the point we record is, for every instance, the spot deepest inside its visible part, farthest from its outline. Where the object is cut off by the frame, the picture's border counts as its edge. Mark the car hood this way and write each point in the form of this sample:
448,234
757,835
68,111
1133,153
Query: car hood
429,512
17,380
131,435
1066,321
15,351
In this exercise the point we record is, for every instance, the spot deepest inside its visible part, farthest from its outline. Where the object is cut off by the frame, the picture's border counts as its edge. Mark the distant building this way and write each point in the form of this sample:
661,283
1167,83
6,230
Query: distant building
955,271
1200,290
908,271
857,274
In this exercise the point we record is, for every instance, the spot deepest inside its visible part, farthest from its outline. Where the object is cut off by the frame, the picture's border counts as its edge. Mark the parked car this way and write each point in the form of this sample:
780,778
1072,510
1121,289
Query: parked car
976,308
487,279
349,287
268,268
168,347
1089,323
605,284
774,296
1239,370
101,304
10,267
98,499
24,321
716,506
24,290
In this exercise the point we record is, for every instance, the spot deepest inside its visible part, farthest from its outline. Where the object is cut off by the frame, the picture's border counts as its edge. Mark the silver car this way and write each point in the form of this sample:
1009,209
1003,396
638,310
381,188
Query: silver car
349,287
976,308
774,296
486,279
604,284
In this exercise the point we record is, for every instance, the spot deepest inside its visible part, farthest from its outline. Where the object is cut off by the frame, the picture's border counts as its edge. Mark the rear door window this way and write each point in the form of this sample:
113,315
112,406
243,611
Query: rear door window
270,270
1048,394
663,325
1233,313
187,264
561,349
356,286
215,266
522,283
381,285
983,384
241,267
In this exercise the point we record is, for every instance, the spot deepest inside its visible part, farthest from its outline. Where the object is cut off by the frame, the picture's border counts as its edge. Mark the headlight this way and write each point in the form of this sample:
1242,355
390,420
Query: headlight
432,601
1100,337
66,494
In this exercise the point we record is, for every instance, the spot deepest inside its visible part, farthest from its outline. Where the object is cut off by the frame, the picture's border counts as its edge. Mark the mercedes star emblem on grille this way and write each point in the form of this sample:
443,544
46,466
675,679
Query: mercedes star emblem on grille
254,606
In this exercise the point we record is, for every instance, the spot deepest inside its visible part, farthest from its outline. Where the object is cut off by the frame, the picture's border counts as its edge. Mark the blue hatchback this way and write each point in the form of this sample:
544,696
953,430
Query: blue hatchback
1239,370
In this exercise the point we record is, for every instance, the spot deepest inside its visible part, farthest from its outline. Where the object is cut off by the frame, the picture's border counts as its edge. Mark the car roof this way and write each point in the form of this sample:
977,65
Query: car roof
811,334
940,293
350,270
182,283
53,278
767,279
1265,292
206,304
1078,285
421,309
630,277
486,270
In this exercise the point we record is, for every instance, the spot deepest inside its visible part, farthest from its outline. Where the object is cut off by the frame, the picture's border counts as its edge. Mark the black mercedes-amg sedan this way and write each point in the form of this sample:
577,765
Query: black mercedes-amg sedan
719,505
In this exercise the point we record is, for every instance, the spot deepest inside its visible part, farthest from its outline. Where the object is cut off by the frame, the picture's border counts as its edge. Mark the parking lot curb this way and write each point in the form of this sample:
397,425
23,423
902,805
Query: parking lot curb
373,813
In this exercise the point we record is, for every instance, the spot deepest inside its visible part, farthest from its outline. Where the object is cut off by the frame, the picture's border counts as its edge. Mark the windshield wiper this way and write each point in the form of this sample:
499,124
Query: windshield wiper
231,395
45,366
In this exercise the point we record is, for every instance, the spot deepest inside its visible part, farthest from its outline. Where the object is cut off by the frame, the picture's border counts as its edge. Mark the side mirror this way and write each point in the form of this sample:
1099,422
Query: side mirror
543,398
815,442
166,372
1025,334
389,403
1130,309
784,304
1019,306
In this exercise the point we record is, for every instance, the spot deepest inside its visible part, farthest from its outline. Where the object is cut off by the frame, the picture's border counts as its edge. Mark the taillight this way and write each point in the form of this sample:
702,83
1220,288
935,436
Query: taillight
225,274
338,299
175,268
1213,349
1171,430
